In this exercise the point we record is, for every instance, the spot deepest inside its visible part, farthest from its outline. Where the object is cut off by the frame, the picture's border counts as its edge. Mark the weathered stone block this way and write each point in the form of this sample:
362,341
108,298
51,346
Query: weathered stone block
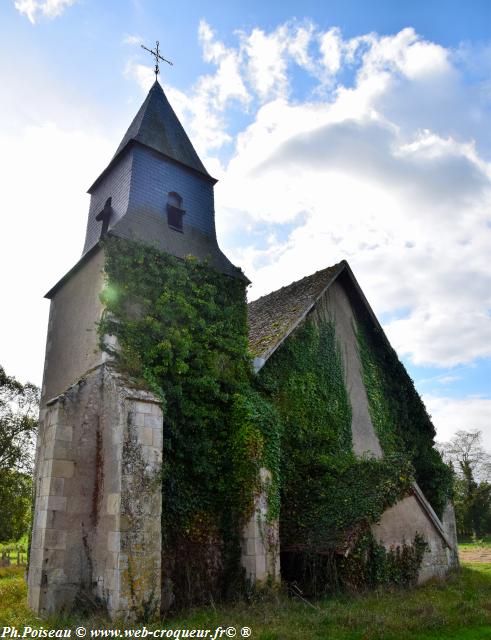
138,419
35,557
64,432
61,450
79,505
57,486
63,468
56,576
56,503
46,468
153,421
142,407
154,457
126,523
114,541
40,519
54,539
112,579
112,560
157,411
250,546
49,434
113,503
37,539
158,440
44,487
145,434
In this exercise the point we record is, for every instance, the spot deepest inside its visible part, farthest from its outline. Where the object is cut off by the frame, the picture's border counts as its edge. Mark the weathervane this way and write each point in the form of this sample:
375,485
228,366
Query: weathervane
158,57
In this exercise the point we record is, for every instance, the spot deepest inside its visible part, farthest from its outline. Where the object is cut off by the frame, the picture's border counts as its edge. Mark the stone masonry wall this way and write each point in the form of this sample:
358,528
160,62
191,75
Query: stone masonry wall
260,539
401,523
96,535
72,344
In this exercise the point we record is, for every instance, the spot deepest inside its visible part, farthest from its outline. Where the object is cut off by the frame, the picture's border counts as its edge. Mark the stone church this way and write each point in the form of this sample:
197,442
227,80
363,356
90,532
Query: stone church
156,191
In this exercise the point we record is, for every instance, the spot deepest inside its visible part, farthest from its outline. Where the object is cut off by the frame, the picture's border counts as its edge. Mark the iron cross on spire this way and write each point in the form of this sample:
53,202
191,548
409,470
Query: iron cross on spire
157,56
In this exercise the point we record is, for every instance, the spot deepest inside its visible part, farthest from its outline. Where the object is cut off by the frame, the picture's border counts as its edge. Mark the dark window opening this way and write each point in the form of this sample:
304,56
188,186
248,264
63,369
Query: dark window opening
175,212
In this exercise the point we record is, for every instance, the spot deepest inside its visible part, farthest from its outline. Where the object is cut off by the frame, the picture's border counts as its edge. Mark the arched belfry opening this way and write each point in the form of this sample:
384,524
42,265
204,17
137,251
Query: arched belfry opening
175,211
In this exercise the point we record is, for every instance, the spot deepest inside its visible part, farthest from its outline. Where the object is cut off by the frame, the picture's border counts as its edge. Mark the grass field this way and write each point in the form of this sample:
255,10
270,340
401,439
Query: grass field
482,543
475,551
456,609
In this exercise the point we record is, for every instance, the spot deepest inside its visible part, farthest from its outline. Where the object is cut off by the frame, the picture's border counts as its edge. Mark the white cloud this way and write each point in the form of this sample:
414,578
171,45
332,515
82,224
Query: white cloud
142,73
46,170
405,53
267,57
451,414
132,40
357,176
226,83
331,49
266,64
48,8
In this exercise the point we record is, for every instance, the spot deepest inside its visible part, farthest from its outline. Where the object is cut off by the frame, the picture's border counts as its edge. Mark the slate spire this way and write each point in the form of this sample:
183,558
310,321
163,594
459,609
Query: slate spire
157,126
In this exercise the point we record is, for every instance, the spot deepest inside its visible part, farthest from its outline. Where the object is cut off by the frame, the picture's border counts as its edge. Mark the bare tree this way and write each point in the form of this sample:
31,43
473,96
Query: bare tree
465,453
472,489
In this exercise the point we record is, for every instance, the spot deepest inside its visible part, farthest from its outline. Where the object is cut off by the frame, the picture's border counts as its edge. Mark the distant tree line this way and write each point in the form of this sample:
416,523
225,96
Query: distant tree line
471,464
19,405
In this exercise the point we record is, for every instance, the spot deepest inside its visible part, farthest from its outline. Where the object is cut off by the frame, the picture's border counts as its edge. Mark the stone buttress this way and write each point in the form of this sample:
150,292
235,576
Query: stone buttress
96,535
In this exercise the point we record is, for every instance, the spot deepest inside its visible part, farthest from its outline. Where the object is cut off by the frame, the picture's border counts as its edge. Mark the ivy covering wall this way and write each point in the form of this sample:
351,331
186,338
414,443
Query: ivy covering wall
181,328
329,497
398,413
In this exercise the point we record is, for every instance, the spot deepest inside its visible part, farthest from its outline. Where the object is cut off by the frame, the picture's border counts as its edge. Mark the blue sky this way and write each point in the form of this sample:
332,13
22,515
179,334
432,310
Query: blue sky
356,130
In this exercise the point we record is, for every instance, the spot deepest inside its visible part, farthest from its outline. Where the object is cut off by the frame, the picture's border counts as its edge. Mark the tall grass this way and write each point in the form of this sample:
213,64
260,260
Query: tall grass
458,608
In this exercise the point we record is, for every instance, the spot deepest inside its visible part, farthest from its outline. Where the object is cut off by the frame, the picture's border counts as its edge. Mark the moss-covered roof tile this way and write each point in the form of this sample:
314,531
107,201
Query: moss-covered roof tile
274,316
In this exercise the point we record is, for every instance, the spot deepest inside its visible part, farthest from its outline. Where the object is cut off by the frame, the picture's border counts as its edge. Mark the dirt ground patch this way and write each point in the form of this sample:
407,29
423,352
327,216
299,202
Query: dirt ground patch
475,555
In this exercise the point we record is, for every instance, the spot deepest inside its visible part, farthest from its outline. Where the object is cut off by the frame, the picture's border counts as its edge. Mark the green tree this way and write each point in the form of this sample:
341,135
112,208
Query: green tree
472,489
15,504
18,422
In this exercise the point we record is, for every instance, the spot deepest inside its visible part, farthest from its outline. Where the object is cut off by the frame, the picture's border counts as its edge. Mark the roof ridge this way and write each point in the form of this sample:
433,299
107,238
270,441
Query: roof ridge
286,286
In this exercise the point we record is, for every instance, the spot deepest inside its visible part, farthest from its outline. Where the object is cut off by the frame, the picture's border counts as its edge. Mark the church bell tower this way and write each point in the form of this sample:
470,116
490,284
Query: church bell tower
156,189
96,535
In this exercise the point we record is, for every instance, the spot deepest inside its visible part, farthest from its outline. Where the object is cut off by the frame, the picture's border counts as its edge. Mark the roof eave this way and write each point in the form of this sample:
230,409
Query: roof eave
134,142
73,270
260,360
430,513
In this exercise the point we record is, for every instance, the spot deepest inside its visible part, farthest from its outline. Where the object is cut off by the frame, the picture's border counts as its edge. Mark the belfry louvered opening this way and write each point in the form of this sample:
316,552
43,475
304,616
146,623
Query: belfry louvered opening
175,212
